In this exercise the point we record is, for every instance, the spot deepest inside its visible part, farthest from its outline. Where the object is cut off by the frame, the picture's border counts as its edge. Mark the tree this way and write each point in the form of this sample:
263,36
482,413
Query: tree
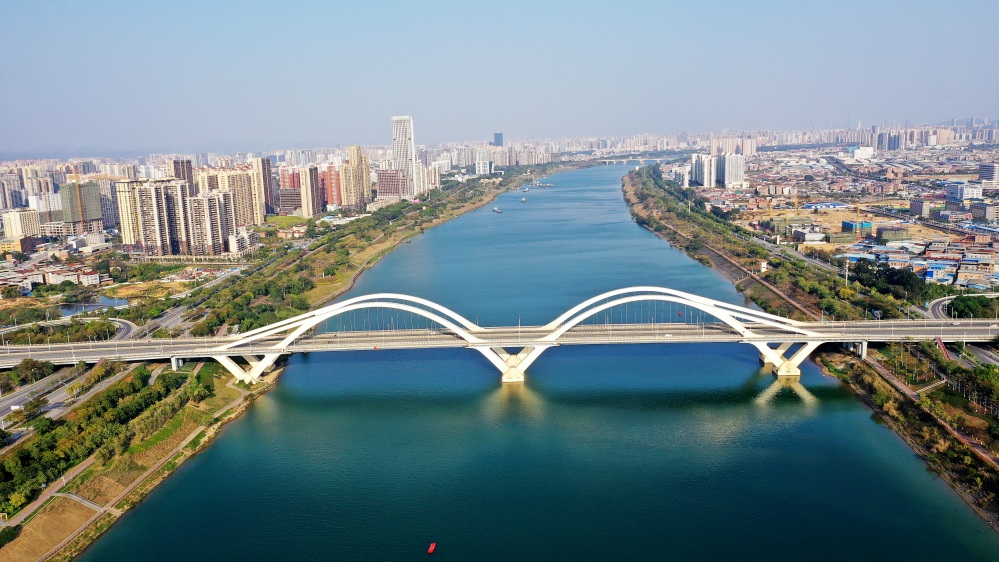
10,292
33,369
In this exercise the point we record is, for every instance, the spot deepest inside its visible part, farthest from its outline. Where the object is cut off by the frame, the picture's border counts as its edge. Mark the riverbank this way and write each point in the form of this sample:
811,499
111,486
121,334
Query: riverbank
944,450
89,499
92,499
383,245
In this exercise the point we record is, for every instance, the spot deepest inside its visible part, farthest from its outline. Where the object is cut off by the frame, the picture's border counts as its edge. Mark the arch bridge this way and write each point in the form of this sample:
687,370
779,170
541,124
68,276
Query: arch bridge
643,314
624,316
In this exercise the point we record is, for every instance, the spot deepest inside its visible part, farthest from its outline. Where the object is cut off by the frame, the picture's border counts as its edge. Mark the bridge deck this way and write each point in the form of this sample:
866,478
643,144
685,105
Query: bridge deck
507,337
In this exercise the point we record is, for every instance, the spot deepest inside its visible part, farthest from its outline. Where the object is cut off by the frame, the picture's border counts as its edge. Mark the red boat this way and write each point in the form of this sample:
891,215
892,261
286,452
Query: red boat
433,547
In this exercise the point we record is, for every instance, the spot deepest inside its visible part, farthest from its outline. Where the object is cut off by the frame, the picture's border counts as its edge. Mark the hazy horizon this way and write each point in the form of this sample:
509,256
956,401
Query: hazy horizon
115,78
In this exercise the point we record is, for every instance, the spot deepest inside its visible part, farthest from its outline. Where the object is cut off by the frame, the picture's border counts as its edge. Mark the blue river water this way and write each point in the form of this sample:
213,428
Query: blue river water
623,452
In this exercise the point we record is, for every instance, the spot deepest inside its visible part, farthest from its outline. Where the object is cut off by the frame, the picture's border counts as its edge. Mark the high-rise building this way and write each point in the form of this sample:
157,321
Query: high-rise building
206,179
497,140
182,170
81,208
731,170
212,219
391,184
263,185
703,169
21,224
355,179
329,179
10,190
988,172
154,216
289,201
246,200
404,152
313,198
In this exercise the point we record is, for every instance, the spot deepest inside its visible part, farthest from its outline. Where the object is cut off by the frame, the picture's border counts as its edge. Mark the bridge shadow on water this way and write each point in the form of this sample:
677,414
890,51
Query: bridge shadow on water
624,377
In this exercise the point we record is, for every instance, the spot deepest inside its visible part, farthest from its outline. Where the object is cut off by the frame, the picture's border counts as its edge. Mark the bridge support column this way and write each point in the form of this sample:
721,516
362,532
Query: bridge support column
513,367
862,352
257,366
780,365
176,363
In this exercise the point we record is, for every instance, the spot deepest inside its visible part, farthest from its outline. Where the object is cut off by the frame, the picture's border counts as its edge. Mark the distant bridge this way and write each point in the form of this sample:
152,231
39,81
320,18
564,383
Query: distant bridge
624,316
610,161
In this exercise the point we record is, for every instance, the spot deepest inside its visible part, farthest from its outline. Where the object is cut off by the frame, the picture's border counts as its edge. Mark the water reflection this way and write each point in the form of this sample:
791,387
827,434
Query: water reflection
766,397
513,400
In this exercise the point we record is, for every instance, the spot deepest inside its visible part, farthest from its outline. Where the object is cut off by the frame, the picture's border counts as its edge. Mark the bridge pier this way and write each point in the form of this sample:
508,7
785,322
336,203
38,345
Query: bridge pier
513,367
780,365
258,366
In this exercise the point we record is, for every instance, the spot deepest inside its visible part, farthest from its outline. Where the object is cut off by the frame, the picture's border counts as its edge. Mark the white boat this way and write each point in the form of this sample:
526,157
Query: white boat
497,210
523,199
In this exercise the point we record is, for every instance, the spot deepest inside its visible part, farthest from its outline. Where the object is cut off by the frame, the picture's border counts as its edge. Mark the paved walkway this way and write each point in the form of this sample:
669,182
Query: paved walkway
77,498
49,491
979,450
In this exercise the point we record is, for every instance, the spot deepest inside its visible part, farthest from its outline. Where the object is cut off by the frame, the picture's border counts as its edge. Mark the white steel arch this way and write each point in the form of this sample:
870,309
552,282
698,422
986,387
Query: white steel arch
734,311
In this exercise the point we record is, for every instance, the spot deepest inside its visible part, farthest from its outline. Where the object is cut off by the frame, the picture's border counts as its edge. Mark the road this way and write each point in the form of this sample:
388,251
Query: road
775,249
513,337
938,308
125,328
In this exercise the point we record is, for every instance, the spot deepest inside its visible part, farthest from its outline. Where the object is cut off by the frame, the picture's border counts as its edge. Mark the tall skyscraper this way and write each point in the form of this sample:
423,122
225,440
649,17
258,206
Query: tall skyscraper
355,179
404,152
313,198
263,185
497,140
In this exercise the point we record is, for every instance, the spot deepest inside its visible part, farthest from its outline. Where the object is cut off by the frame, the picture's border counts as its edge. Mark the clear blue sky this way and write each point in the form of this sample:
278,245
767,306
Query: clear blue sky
191,76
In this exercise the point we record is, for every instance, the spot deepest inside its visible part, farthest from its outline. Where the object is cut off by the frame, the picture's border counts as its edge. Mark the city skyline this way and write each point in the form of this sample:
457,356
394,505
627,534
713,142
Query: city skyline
547,79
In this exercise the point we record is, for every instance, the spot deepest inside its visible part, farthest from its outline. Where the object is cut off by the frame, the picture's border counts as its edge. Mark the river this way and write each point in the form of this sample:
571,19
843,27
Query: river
606,452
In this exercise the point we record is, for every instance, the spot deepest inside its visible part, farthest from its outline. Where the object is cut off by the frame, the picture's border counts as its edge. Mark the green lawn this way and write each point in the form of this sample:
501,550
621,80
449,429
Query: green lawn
161,435
284,222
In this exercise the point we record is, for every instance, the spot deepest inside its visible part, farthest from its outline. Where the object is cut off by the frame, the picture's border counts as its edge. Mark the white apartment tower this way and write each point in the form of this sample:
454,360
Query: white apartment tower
404,153
212,220
703,170
21,224
732,170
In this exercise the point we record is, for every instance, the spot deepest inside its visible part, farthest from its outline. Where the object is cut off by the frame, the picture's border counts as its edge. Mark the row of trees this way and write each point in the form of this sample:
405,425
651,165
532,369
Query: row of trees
74,331
100,423
974,307
27,371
